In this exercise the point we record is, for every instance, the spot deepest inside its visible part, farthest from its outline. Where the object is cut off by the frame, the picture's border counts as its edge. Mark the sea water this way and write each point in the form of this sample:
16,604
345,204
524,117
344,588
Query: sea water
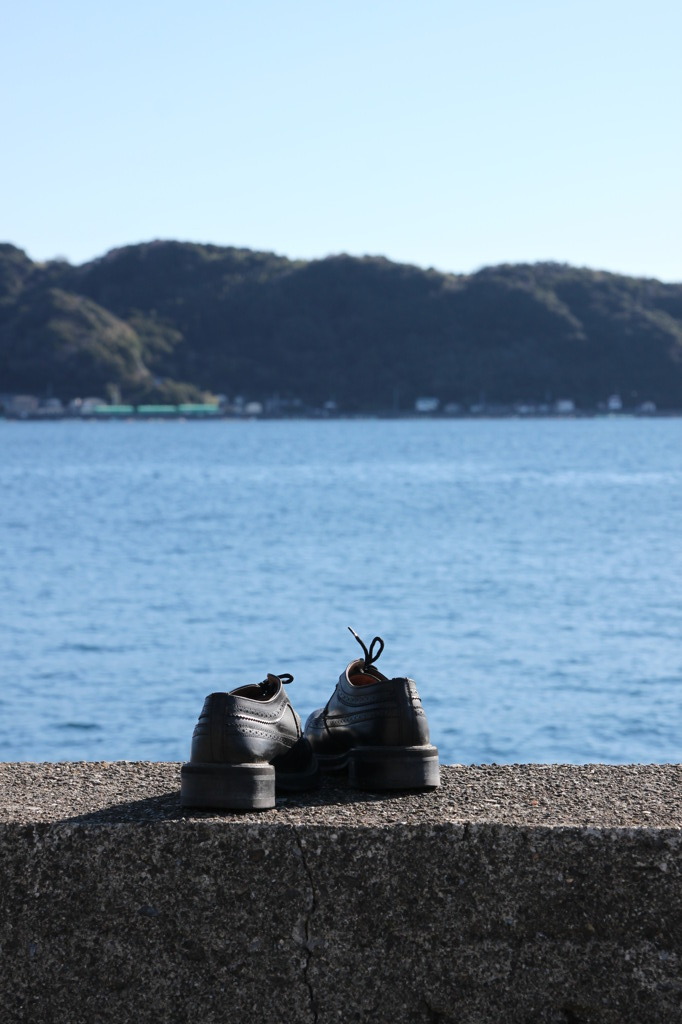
527,574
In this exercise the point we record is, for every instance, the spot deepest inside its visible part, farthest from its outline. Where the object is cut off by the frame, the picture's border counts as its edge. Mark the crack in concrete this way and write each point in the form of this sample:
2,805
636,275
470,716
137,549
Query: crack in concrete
311,907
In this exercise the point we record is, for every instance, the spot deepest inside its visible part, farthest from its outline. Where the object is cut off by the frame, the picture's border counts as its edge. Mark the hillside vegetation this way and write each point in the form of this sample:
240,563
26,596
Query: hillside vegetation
173,320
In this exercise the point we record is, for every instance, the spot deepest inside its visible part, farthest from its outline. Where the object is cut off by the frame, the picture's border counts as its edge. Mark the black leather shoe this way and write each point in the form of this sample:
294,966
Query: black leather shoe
374,727
245,744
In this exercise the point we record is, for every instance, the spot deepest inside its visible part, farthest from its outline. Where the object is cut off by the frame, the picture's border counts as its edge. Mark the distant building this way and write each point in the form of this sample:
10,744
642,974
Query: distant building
614,403
198,409
426,405
157,409
21,406
51,407
564,406
114,411
84,406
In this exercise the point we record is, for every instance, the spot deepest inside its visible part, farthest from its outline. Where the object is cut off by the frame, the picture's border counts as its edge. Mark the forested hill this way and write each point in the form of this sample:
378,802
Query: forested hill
170,320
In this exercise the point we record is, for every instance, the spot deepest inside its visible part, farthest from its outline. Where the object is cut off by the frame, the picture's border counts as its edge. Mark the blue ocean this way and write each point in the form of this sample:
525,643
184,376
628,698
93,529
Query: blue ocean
527,574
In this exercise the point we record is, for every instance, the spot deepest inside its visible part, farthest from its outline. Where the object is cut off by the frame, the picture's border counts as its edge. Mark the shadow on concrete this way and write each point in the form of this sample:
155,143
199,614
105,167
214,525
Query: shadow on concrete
167,807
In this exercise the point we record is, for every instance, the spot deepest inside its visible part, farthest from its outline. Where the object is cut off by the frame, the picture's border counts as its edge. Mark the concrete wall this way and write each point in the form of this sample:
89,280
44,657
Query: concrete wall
523,894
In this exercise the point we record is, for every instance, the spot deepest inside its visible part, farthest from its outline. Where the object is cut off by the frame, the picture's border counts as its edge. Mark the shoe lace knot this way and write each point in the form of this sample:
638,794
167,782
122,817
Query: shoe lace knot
370,654
268,687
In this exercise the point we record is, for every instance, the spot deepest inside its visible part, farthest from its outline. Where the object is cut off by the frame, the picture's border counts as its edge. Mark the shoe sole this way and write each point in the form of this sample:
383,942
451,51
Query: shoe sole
239,787
383,768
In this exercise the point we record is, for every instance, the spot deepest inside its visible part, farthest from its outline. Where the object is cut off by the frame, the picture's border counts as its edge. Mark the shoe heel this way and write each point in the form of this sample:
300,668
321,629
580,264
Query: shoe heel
394,767
228,787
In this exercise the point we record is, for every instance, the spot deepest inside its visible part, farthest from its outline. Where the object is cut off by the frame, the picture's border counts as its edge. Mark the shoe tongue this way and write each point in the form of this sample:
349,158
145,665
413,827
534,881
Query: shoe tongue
260,691
360,676
362,679
268,688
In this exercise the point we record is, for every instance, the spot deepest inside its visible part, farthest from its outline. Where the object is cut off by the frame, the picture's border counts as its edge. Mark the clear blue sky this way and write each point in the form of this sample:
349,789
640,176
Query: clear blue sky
437,132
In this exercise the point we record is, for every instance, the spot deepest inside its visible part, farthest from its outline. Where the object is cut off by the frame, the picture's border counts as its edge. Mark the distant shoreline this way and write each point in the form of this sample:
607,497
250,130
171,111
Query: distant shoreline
413,417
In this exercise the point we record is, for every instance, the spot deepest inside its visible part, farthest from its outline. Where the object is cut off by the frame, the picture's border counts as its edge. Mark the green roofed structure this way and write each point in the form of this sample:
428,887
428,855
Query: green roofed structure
192,409
198,409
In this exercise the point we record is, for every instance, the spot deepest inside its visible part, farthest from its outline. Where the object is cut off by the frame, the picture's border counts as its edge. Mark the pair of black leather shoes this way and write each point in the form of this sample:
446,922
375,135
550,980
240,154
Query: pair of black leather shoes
249,743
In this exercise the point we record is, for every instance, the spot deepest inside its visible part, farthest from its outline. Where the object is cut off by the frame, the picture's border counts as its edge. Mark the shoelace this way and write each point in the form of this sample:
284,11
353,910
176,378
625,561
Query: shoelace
370,656
286,677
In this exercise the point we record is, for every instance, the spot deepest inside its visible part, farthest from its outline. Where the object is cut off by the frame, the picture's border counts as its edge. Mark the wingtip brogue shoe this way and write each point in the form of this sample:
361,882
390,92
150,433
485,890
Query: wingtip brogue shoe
246,745
375,727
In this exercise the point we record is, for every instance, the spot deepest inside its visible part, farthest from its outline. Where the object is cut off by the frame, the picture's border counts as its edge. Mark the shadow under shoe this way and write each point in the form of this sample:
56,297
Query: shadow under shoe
246,745
375,728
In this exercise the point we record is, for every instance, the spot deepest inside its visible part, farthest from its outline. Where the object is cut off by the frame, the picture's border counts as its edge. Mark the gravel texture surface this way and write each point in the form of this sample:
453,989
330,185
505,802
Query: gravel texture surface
549,894
544,795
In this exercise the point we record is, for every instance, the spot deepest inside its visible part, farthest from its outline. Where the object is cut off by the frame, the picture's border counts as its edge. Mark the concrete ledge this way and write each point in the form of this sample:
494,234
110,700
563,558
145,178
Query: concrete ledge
513,894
